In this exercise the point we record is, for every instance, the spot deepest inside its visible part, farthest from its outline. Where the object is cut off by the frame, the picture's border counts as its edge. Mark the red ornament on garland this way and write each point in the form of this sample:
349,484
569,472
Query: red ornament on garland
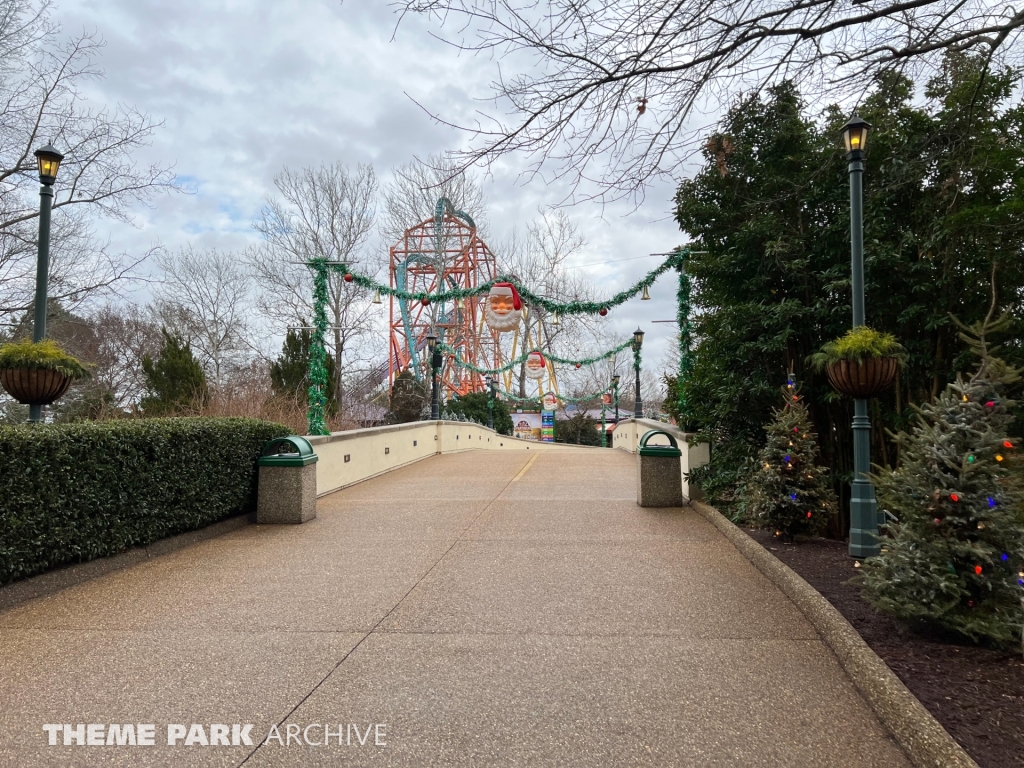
603,312
953,497
578,365
977,569
425,302
348,277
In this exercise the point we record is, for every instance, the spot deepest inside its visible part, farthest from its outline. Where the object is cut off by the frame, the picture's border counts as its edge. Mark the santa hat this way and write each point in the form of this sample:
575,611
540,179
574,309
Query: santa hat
538,355
517,303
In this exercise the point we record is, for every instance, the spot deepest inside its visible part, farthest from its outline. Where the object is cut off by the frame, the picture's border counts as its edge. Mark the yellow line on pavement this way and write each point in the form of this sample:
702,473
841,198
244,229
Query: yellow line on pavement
528,465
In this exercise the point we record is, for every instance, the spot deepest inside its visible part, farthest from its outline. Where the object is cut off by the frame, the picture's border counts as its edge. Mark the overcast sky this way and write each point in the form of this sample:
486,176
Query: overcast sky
246,88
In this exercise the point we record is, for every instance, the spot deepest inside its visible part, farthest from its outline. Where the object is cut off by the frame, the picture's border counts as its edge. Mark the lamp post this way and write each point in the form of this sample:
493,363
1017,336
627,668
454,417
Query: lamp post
490,401
615,389
48,161
638,340
435,364
864,540
604,427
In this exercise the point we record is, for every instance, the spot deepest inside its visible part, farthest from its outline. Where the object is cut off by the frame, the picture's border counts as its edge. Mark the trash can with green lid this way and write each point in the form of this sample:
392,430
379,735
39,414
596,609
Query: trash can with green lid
287,483
659,472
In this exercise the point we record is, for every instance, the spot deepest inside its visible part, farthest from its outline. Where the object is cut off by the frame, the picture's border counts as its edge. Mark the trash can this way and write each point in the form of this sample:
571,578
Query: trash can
659,473
287,482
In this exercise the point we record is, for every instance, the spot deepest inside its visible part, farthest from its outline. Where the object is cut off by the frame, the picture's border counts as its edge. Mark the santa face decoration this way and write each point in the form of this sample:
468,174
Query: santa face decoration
503,307
550,402
536,365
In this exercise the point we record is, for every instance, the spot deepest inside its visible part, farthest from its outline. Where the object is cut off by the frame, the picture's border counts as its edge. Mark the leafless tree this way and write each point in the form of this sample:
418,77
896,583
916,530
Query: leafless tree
205,297
412,194
41,100
605,89
540,260
319,213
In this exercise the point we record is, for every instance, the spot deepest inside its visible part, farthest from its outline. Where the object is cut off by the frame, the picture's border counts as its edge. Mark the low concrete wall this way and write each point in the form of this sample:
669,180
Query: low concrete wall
627,434
346,458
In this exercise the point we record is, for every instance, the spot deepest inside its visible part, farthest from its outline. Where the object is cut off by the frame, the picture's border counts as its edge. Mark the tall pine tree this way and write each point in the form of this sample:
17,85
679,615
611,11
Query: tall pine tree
174,380
956,558
789,492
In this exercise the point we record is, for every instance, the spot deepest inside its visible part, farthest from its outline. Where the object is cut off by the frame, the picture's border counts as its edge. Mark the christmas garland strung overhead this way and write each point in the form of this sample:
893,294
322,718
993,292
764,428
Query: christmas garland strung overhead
505,296
673,261
451,351
561,398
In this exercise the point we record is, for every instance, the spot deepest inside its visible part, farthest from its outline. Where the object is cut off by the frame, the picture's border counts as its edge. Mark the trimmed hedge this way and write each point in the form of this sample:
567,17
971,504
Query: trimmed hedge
74,492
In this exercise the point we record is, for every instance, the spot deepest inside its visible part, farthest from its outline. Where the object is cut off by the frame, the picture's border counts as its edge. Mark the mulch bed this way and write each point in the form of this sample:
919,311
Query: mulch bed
976,693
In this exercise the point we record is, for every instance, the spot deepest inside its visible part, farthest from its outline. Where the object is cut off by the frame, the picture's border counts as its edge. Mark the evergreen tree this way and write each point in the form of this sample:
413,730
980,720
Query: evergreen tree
174,380
578,429
474,407
408,399
289,374
956,558
789,492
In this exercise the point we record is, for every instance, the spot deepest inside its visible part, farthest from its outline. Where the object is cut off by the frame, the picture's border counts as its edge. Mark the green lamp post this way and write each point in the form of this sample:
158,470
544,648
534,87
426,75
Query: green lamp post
864,541
638,340
435,365
48,162
615,391
491,383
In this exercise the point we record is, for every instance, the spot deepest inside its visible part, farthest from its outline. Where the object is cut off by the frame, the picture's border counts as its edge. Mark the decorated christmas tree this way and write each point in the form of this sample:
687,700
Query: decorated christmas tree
956,557
789,493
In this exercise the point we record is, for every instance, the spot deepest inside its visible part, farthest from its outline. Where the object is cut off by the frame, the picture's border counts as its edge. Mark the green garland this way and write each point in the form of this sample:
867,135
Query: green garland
317,352
561,398
685,335
674,260
522,359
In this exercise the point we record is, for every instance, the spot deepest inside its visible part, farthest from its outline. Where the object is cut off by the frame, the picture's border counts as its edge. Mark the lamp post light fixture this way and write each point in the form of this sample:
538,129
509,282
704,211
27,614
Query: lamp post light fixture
489,380
615,389
864,541
435,364
48,162
638,341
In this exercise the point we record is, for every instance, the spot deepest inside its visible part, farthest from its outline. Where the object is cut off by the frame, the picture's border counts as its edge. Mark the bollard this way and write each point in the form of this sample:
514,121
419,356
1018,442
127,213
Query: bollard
659,474
287,483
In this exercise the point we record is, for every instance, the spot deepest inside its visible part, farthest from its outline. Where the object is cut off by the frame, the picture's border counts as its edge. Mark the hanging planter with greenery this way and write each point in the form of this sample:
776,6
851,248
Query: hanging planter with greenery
861,364
38,373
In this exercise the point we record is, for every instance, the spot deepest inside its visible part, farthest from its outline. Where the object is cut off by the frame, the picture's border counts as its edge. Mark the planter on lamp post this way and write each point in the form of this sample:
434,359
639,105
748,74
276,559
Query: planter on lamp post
48,162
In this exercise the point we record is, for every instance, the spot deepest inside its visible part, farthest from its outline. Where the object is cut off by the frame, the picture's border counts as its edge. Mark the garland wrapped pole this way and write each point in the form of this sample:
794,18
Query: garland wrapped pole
685,337
317,352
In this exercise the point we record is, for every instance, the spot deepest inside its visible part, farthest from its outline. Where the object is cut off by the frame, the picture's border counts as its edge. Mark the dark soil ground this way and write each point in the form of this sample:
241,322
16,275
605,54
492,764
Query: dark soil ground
976,693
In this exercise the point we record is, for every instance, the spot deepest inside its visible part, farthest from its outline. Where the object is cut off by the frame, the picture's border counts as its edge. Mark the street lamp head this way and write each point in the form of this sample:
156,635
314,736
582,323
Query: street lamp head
48,160
855,135
615,380
431,342
638,337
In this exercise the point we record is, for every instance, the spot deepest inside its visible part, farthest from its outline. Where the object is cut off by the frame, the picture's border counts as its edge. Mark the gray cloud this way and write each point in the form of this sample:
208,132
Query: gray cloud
247,88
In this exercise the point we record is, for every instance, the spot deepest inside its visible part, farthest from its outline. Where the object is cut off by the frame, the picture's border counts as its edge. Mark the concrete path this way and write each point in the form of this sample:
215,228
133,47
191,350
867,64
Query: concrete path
487,609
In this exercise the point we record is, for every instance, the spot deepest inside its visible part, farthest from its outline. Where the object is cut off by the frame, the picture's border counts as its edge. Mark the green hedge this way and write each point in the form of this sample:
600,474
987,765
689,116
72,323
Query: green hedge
74,492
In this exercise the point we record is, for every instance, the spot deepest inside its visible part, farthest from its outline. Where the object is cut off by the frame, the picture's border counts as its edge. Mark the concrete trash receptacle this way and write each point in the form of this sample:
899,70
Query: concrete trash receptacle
659,473
287,482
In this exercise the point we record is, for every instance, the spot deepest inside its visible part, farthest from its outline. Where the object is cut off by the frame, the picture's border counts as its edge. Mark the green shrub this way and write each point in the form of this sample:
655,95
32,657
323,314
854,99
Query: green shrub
74,492
857,345
46,355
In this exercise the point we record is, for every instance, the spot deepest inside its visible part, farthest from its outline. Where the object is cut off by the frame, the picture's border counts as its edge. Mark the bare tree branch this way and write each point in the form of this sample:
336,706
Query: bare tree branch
607,89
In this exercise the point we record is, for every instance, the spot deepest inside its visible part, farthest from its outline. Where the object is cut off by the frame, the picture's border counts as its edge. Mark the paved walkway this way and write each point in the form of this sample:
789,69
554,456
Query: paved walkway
489,609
